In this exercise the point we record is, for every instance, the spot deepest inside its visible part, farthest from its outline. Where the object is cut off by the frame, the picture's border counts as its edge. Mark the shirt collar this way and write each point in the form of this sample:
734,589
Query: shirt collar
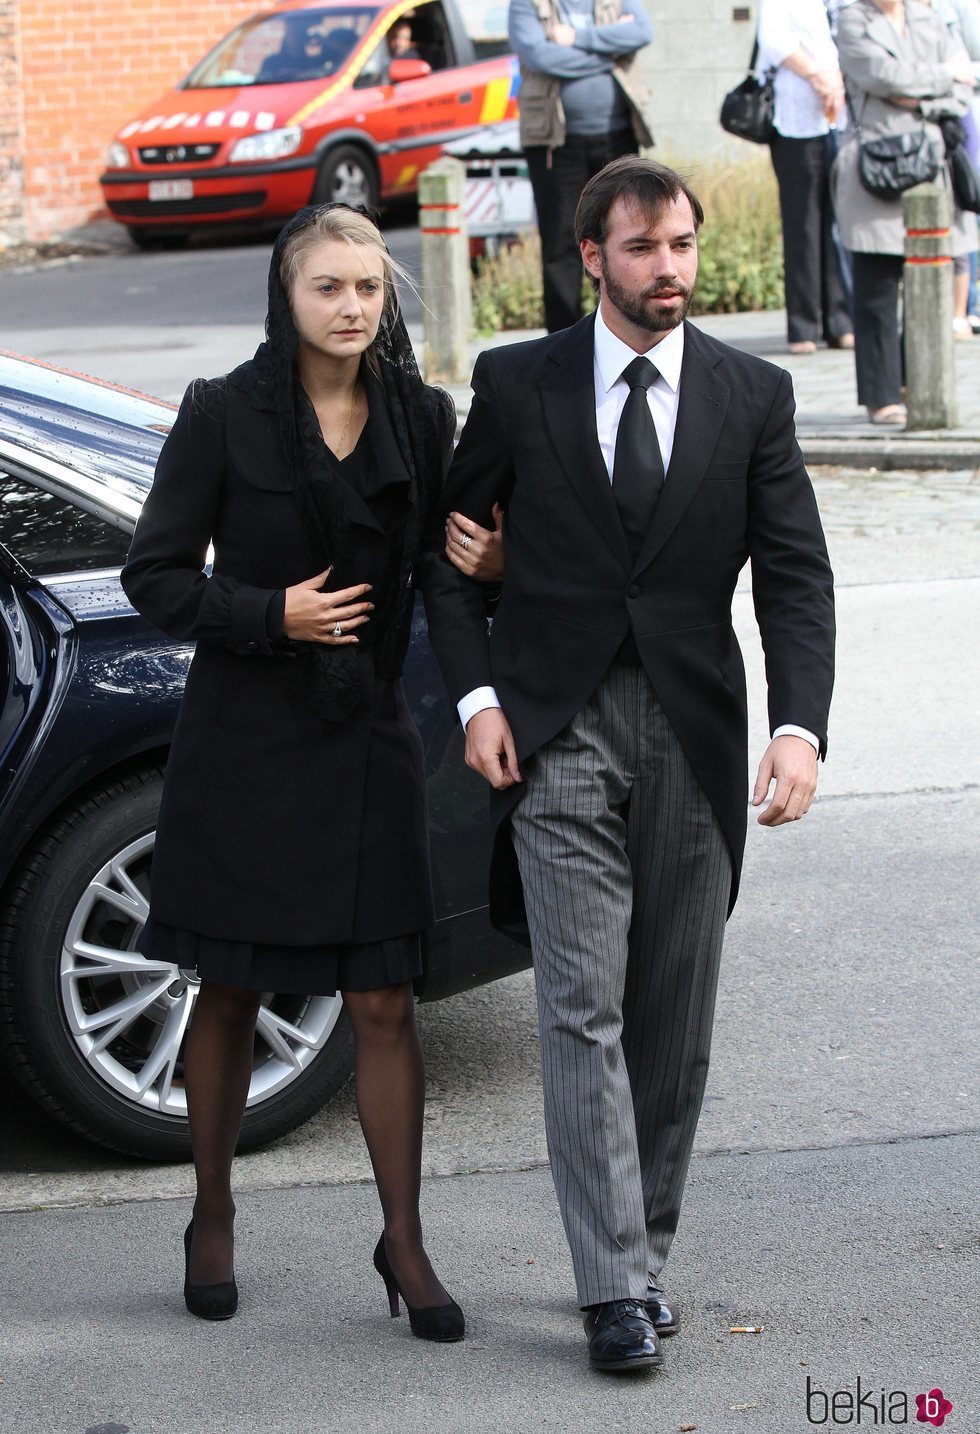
612,355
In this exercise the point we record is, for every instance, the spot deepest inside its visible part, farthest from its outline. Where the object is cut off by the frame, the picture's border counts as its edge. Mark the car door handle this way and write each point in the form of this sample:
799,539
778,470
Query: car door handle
465,97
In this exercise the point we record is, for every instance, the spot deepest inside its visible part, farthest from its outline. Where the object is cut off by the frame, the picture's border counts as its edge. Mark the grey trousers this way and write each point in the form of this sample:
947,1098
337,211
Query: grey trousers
626,878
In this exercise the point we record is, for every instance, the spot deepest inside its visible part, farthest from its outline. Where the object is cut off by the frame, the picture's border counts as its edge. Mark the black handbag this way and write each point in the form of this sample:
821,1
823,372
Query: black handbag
747,110
895,162
962,174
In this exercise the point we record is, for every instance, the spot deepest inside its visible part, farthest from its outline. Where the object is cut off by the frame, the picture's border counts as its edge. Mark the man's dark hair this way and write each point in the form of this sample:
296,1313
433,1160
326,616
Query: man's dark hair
641,182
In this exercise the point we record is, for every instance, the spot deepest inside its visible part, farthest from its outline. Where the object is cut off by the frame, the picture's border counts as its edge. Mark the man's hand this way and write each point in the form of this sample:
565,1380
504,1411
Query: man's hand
490,748
792,763
560,34
477,552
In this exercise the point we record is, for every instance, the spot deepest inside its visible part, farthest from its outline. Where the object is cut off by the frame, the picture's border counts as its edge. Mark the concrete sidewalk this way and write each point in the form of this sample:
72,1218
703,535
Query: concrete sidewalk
312,1350
832,427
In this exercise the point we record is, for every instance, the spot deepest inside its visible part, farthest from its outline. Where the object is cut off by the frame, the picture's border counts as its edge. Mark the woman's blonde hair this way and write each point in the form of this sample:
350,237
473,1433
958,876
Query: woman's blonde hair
354,228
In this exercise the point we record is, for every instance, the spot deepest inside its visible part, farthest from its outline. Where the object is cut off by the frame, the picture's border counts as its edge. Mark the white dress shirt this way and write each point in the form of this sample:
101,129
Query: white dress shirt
611,389
610,358
785,26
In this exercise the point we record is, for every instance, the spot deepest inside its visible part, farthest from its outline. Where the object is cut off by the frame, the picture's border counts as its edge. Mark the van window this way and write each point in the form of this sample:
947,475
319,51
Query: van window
282,49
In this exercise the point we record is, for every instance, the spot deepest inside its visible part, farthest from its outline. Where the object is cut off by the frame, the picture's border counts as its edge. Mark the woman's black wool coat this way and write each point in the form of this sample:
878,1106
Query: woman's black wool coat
276,826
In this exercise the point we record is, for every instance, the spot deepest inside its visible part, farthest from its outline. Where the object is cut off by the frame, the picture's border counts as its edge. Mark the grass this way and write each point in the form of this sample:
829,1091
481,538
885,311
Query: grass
740,252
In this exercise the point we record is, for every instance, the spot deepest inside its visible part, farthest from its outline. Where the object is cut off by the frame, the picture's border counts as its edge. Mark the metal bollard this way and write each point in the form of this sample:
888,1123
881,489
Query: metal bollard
928,287
445,272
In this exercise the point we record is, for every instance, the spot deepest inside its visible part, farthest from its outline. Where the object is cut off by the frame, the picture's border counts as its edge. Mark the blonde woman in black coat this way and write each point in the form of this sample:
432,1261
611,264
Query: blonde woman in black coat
292,849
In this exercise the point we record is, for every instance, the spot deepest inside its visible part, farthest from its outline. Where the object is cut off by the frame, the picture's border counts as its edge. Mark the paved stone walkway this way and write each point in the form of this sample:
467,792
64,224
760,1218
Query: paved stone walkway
832,428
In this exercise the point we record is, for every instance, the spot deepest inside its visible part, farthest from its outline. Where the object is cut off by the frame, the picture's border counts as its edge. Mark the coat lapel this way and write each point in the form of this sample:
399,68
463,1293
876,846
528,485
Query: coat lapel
701,410
883,32
568,399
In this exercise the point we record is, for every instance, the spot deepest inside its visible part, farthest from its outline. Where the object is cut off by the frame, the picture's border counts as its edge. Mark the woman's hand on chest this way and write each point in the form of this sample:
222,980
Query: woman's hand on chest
311,615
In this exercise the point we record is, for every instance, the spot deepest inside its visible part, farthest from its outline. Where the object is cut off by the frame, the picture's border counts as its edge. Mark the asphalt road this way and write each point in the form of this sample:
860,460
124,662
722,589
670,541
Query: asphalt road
212,281
832,1198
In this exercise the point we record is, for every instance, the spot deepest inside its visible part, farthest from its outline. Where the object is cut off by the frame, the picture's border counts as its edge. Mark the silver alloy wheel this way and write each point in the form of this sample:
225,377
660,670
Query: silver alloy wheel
128,1015
350,184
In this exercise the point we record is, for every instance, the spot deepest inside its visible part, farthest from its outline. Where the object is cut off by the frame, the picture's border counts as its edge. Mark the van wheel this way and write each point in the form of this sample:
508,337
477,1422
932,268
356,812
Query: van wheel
94,1032
346,176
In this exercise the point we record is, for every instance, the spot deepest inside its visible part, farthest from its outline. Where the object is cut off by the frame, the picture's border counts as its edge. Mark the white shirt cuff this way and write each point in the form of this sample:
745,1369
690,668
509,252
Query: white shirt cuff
476,701
788,730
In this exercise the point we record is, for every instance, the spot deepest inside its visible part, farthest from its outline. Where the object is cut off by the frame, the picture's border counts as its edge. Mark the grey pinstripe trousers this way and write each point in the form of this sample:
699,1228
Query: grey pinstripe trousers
626,877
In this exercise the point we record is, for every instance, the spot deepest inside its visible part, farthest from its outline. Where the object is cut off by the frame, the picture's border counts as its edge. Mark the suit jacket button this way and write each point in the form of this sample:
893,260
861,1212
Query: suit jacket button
633,590
252,646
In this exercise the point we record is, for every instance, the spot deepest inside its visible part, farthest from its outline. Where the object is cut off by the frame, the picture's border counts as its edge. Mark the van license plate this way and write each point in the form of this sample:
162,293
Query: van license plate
171,189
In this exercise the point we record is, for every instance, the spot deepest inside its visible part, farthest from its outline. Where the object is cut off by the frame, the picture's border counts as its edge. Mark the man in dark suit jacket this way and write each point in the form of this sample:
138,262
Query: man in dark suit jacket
607,708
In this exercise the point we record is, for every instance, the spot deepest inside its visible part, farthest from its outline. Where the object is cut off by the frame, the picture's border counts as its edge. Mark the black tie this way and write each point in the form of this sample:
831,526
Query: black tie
638,468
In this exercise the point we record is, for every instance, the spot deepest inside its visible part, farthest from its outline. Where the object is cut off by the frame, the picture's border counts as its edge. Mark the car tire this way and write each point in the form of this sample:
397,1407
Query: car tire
155,239
83,1025
347,175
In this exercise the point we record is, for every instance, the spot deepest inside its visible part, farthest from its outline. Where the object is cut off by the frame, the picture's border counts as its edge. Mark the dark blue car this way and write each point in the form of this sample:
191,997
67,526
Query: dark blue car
88,1027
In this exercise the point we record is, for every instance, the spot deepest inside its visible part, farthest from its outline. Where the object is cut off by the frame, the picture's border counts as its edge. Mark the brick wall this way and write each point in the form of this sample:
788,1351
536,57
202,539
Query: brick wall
86,68
11,130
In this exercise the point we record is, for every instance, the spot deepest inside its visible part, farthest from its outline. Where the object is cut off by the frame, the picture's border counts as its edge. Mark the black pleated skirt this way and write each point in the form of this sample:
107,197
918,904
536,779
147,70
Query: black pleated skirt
292,970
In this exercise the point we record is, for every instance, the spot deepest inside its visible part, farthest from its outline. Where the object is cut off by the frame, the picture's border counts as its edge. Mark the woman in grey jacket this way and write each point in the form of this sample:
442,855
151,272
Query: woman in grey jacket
903,71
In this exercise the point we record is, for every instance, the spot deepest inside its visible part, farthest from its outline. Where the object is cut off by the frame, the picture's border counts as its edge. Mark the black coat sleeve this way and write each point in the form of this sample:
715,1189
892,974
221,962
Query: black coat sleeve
481,474
792,582
164,575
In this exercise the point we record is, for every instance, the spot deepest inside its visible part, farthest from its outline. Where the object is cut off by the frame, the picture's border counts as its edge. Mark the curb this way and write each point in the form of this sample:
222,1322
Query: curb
888,454
878,454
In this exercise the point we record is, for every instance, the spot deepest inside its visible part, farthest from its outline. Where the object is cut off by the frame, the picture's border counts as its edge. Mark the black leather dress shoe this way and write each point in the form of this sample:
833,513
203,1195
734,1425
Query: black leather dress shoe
664,1314
622,1337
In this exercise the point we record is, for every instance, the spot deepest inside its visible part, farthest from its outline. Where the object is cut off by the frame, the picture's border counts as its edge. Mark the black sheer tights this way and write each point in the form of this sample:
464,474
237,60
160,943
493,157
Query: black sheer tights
217,1071
390,1085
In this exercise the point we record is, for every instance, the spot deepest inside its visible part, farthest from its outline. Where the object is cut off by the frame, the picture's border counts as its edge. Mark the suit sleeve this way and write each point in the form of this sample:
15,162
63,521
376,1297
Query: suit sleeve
481,474
792,582
164,575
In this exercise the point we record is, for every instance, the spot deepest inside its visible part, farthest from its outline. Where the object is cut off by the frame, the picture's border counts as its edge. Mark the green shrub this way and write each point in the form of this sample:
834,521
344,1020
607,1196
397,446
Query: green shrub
507,288
740,253
740,247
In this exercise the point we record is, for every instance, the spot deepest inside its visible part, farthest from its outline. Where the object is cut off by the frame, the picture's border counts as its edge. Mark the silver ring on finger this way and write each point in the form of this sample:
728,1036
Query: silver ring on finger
338,630
464,541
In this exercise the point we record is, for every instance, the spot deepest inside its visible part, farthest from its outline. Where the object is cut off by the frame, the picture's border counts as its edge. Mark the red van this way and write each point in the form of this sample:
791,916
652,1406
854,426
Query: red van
313,100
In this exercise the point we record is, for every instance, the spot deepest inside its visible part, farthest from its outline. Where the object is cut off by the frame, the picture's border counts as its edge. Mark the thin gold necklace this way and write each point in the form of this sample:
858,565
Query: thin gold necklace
350,415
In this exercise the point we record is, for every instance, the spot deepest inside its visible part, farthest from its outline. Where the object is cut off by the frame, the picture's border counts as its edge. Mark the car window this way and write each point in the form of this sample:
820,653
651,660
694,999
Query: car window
426,37
430,36
48,534
374,71
281,49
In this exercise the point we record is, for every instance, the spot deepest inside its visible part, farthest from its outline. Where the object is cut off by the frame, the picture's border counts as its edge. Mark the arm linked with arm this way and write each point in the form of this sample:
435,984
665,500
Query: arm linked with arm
455,605
163,576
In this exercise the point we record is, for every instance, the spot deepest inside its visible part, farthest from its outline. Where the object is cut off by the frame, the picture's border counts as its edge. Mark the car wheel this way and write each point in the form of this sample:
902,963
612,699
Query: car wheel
158,238
94,1031
346,176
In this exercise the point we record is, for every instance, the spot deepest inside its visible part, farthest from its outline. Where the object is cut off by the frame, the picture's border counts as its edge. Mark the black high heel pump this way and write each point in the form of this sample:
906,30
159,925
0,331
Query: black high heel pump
443,1323
207,1301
